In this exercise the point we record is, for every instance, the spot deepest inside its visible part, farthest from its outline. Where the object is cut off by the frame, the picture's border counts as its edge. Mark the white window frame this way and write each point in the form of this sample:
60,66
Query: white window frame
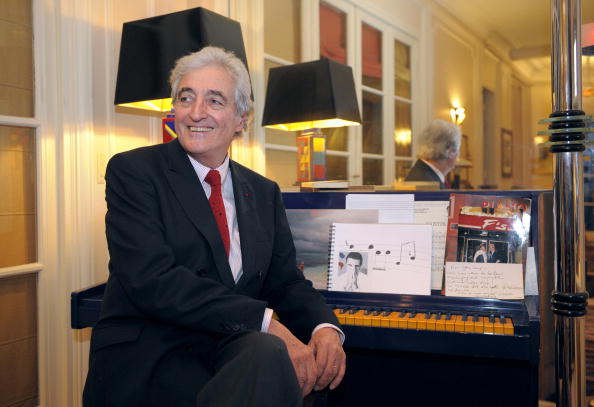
310,45
414,100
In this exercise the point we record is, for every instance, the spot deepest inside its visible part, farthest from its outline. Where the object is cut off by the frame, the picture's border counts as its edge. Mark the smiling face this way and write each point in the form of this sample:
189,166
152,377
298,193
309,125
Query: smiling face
205,115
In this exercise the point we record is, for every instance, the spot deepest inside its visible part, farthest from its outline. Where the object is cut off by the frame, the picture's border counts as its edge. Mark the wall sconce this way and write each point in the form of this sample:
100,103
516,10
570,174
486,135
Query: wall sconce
403,137
458,114
150,47
307,97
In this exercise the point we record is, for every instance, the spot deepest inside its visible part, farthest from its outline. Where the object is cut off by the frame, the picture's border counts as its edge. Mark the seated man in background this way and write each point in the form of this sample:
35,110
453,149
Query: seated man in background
437,151
200,255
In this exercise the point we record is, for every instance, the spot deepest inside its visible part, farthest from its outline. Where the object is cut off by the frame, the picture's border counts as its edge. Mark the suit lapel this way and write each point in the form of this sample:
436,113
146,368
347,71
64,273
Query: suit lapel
246,220
188,190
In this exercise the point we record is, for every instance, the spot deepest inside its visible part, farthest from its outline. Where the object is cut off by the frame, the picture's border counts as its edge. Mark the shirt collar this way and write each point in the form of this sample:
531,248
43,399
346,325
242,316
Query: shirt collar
439,173
202,170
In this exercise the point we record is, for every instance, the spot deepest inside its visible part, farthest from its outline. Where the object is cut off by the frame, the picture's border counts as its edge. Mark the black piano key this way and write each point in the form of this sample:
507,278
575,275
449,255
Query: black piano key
464,317
448,316
491,319
475,318
427,315
502,319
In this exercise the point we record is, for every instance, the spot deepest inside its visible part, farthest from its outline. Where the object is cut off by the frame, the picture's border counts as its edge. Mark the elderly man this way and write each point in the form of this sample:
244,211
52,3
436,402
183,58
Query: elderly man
438,149
200,256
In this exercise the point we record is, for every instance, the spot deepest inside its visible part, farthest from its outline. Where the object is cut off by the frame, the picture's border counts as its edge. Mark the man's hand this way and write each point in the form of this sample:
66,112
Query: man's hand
301,355
330,358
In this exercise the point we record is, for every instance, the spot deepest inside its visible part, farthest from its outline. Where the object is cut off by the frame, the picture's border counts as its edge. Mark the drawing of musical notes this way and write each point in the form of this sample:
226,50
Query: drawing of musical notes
412,251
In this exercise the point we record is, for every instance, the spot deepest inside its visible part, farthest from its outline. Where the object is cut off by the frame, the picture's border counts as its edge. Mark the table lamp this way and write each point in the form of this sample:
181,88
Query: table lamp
307,97
150,47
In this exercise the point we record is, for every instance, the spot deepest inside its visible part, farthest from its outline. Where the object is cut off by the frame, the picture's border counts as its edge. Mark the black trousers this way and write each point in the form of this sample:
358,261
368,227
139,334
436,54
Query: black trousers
244,370
252,370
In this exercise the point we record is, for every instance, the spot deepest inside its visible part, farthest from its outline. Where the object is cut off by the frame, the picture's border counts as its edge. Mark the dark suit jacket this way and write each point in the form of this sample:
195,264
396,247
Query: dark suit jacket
170,297
497,255
422,172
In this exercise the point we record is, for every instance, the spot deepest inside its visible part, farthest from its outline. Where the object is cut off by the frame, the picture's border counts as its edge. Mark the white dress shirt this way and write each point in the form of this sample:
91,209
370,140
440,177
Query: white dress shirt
235,244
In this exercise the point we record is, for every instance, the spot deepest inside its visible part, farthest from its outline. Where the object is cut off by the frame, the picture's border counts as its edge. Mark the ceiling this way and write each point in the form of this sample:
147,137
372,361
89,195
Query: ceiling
524,25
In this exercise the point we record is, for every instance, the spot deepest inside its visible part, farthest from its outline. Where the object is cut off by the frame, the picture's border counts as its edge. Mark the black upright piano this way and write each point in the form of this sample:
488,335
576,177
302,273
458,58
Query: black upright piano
417,350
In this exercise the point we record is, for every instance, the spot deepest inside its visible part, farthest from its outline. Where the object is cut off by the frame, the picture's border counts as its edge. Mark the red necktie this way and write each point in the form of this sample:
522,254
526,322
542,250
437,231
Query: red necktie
216,204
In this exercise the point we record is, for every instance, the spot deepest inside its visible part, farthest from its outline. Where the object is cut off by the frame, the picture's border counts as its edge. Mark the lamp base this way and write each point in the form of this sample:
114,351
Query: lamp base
168,126
311,155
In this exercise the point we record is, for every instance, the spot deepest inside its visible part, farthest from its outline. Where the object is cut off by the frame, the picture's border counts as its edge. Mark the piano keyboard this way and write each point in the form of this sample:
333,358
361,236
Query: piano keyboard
495,324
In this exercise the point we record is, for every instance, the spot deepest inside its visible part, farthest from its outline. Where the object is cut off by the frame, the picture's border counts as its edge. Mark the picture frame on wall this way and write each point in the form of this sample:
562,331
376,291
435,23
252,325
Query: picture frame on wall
506,153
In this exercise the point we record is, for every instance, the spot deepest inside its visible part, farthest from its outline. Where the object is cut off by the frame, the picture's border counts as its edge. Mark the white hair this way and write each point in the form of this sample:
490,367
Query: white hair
438,139
225,59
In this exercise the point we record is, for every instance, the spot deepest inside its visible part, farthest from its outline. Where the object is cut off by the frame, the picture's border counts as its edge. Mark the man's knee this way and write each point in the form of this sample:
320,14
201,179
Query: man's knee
266,347
261,367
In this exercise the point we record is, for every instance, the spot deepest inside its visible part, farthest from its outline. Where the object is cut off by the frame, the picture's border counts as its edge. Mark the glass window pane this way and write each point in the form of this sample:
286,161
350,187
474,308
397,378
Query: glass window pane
403,129
284,138
336,167
373,172
16,54
371,50
402,167
336,138
372,123
333,34
402,74
281,166
18,238
282,29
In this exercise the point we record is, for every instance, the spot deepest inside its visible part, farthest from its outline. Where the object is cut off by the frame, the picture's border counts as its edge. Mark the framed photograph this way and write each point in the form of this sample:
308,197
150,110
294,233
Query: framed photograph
506,153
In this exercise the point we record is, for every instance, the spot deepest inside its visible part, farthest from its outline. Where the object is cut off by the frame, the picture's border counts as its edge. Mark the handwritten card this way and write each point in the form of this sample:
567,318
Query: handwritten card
484,280
434,213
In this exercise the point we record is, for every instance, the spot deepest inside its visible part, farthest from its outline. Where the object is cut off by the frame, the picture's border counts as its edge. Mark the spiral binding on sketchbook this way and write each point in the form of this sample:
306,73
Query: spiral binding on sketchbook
330,257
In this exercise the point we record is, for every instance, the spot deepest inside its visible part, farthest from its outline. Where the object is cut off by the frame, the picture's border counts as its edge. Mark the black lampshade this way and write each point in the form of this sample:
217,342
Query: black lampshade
308,94
150,47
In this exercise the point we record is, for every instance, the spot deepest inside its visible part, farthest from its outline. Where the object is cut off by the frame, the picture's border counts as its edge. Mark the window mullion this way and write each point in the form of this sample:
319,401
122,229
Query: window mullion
389,108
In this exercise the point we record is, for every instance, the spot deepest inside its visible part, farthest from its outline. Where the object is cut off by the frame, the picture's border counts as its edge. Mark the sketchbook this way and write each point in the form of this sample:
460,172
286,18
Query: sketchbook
380,258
